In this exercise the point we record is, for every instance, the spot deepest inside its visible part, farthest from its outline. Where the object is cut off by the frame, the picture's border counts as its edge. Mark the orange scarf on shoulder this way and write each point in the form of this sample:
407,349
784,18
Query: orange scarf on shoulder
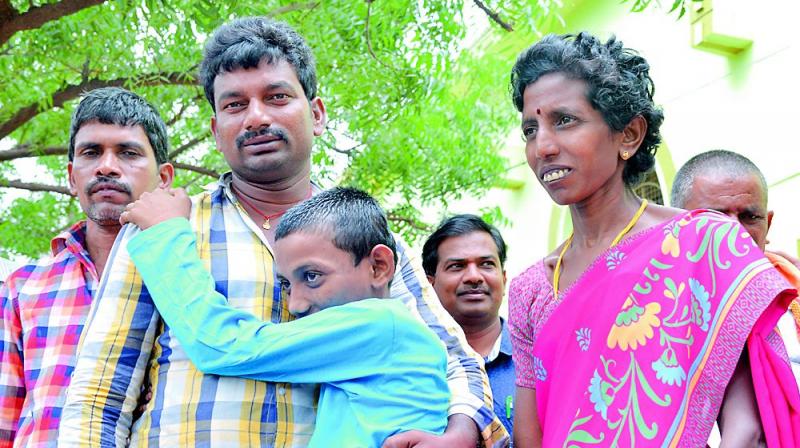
792,275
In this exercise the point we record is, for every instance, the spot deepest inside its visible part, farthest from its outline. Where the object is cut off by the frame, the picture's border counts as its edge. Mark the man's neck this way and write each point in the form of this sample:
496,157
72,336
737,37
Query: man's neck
482,336
277,195
99,241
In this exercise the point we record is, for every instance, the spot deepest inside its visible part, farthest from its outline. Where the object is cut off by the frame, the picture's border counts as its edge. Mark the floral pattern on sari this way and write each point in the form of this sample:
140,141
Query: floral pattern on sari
664,324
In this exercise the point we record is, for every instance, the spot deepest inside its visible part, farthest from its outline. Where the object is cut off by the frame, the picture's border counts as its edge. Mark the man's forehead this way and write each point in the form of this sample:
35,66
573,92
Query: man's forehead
731,190
477,244
266,68
93,129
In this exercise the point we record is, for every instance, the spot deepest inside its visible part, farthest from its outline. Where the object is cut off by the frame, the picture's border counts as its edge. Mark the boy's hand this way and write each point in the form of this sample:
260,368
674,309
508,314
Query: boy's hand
158,206
461,432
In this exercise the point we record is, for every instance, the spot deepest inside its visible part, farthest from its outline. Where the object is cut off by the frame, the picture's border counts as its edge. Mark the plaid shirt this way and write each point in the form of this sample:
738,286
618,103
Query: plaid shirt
44,306
126,345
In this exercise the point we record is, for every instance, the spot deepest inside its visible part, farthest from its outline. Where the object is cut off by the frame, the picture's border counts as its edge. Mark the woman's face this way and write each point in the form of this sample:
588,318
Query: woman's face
569,147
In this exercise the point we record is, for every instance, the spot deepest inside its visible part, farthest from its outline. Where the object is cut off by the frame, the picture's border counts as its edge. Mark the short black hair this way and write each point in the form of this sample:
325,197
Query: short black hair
243,43
717,161
618,81
357,221
454,226
113,105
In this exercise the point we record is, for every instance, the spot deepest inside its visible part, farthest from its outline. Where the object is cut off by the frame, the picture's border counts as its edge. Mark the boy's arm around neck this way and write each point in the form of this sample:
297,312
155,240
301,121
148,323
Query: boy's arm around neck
336,344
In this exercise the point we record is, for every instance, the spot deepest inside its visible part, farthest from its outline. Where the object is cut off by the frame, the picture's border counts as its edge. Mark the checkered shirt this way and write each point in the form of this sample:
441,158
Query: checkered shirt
127,345
44,306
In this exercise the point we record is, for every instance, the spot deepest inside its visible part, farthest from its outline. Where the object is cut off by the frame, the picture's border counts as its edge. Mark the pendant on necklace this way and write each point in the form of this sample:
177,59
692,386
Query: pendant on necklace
266,225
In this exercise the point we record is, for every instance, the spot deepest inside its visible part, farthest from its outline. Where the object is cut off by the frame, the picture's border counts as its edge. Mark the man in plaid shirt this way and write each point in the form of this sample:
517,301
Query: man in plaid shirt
117,150
260,79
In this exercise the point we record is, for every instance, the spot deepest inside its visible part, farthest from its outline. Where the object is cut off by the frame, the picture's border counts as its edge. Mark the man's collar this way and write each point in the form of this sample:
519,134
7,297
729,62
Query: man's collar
502,345
72,239
505,339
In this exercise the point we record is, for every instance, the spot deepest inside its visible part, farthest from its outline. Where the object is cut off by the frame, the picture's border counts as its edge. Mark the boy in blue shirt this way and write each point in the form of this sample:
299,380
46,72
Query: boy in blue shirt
382,370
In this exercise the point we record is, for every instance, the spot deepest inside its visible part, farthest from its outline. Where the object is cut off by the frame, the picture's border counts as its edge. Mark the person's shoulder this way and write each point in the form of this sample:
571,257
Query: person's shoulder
377,311
659,213
390,314
378,319
533,276
35,273
404,331
685,216
365,312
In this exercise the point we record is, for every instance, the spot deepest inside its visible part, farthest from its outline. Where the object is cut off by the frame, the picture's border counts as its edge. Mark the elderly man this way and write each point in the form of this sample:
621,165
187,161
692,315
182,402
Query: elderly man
732,184
117,150
463,259
260,79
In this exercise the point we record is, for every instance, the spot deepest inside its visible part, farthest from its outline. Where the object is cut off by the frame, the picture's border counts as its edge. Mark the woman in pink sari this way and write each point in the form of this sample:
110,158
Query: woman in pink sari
632,332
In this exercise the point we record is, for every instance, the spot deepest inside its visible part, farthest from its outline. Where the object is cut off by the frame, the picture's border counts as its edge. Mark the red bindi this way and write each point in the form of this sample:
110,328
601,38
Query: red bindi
538,111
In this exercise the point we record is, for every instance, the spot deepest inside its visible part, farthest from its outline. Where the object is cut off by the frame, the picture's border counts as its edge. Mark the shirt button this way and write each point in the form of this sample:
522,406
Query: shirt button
282,391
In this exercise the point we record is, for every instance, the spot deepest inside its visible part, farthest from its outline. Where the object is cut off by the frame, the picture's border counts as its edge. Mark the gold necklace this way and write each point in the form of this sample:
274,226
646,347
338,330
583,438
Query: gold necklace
628,227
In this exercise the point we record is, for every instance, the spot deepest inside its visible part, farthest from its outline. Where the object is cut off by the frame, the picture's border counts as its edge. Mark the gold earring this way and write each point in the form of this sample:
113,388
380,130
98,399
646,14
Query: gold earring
625,155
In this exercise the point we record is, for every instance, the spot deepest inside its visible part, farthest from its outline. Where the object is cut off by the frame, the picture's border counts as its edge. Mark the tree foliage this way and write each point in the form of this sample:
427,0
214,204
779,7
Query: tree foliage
676,6
415,119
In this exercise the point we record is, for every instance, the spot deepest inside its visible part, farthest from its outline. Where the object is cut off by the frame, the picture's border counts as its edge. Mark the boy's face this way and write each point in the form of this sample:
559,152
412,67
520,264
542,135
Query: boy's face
317,275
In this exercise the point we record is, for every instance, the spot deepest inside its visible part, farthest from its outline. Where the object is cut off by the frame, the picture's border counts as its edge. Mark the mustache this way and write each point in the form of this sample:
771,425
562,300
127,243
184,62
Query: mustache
280,133
462,291
107,182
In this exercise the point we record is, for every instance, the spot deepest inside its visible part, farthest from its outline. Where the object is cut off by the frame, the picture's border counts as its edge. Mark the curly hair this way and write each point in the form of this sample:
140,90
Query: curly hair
244,43
618,86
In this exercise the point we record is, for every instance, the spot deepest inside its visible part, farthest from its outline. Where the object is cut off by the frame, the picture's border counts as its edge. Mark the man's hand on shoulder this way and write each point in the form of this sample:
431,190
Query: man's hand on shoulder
157,206
461,432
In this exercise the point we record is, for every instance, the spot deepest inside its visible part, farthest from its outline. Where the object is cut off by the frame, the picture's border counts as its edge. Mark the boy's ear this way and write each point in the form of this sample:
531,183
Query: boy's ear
381,259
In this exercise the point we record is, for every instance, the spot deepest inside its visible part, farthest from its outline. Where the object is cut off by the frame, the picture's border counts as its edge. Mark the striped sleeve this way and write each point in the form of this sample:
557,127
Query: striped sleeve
115,349
466,377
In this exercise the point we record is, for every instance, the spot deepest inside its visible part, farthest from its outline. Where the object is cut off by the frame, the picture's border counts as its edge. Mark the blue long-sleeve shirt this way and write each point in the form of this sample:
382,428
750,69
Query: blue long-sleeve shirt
382,370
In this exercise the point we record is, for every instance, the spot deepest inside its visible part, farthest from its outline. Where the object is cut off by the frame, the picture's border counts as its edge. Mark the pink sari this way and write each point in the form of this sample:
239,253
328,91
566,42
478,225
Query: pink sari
640,349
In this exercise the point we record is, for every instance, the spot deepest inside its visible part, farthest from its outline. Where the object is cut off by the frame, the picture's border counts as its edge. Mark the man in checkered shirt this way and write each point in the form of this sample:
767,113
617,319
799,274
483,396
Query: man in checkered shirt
260,80
117,150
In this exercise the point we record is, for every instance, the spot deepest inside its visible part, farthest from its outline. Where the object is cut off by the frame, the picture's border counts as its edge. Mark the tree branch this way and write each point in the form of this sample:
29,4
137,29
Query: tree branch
185,147
196,169
191,182
369,39
178,115
73,91
408,221
22,151
494,16
26,150
34,186
6,10
292,7
11,21
347,151
185,104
